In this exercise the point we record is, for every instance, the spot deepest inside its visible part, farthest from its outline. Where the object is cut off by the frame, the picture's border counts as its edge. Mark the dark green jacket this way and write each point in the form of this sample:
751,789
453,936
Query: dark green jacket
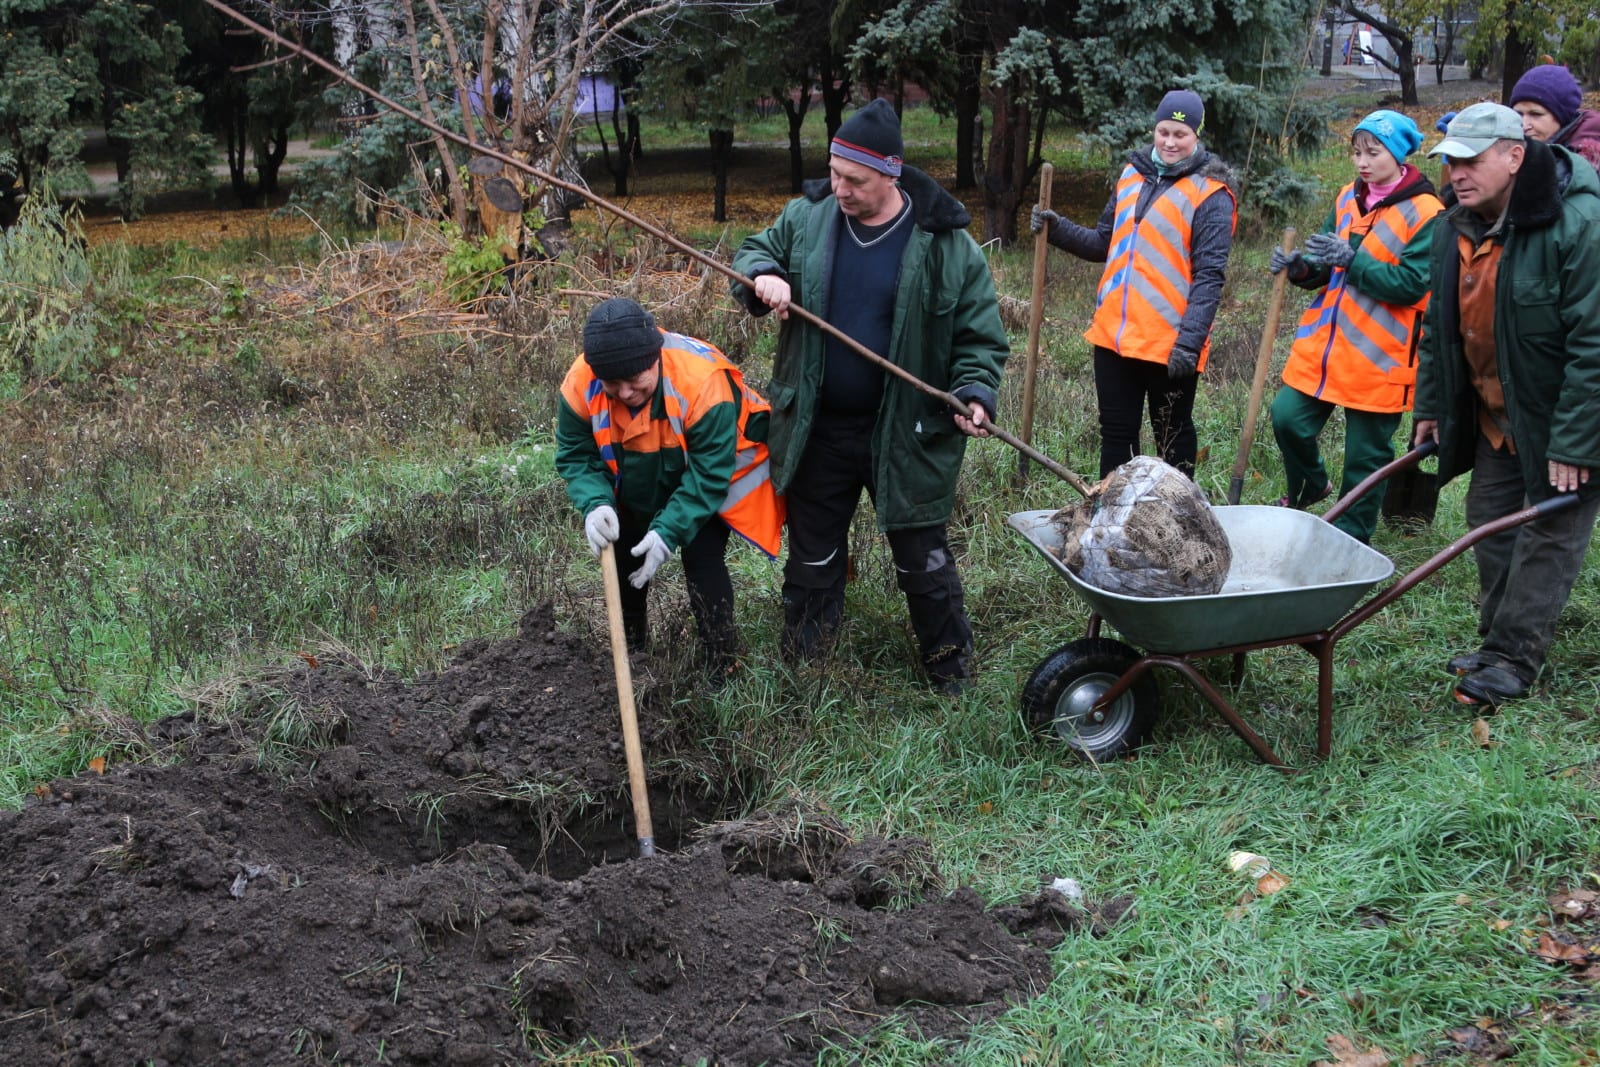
946,331
674,490
1546,325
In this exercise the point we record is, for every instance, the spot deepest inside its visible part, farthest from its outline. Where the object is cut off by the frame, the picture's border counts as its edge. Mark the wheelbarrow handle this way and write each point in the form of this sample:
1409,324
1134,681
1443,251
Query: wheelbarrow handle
1445,555
1410,459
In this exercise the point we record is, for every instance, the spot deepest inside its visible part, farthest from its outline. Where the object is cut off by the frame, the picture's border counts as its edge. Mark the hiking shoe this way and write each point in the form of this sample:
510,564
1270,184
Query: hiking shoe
952,686
1285,502
1491,686
1465,664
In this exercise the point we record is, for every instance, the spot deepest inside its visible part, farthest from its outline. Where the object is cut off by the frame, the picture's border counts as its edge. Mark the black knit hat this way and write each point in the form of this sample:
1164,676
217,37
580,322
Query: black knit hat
620,339
871,137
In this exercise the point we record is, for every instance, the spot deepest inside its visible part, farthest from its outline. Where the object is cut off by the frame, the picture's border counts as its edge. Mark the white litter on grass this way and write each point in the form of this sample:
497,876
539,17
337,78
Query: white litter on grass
1068,888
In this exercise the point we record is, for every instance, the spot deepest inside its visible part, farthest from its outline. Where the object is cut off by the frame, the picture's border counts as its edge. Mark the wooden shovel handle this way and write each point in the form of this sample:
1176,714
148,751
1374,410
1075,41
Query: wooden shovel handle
1041,249
630,718
1269,334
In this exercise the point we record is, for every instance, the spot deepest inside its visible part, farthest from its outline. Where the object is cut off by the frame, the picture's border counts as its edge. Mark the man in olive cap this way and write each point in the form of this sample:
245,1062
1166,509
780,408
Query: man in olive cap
1509,379
880,251
662,447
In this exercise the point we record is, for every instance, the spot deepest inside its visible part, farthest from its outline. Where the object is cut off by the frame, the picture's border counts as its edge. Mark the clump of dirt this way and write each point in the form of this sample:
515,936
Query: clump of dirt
440,872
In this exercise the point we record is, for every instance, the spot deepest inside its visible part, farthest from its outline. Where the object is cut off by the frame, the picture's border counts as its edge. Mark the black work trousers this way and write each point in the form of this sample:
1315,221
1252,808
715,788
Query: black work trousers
822,500
1525,574
705,572
1123,387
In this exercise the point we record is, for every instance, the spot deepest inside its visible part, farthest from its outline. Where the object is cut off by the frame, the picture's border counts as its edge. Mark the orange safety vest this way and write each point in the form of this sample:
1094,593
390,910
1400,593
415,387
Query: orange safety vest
1352,349
1145,288
751,508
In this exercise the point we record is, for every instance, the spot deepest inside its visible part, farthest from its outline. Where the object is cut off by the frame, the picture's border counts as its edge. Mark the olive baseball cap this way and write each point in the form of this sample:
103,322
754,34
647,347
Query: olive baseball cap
1477,127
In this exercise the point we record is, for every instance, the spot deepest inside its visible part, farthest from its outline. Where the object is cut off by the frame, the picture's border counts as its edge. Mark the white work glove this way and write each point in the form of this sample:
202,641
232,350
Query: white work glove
600,526
655,553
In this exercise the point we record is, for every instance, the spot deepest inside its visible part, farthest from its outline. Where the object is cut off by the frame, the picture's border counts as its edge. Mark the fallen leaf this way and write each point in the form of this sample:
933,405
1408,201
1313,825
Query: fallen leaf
1500,924
311,661
1575,903
1463,900
98,765
1346,1054
985,808
1480,733
1556,949
41,790
1271,882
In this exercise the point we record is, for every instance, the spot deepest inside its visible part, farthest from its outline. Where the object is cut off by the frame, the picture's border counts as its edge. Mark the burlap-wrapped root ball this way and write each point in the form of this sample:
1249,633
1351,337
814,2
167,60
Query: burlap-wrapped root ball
1148,531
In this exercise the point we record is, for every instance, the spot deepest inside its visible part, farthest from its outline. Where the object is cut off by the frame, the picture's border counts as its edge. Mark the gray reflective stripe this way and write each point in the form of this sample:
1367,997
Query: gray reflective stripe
1410,212
1385,235
599,420
745,457
1383,318
741,487
675,420
1171,315
1161,265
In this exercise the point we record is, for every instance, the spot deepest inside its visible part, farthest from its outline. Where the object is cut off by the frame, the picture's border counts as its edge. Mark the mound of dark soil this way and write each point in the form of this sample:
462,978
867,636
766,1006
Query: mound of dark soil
440,873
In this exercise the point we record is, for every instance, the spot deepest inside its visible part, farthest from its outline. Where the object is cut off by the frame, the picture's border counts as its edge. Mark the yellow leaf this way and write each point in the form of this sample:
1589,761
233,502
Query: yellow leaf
985,808
1480,734
98,765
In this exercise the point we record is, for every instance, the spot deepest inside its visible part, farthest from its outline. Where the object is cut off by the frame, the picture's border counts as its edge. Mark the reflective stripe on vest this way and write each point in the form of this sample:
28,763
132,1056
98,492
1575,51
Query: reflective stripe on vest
1144,290
751,508
1352,349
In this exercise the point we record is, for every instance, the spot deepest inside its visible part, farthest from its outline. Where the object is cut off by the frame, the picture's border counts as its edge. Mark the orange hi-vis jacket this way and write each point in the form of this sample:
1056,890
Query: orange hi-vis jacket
695,377
1352,349
1145,287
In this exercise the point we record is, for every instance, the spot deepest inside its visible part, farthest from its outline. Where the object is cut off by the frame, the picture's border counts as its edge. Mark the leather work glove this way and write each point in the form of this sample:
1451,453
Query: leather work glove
1330,250
1040,218
1182,362
655,553
600,526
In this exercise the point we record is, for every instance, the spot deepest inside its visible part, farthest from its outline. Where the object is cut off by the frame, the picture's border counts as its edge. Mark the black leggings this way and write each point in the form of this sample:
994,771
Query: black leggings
1123,386
705,572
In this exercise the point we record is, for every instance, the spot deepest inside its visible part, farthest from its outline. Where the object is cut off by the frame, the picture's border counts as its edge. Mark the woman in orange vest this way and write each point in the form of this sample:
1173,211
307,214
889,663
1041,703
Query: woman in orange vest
1356,347
1164,237
663,449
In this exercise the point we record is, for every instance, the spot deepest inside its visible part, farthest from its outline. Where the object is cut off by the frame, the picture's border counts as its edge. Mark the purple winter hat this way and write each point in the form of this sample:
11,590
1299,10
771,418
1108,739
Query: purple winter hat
1552,88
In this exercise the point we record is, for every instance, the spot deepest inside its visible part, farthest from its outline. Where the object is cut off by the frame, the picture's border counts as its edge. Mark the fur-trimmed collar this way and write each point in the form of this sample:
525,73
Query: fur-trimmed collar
932,207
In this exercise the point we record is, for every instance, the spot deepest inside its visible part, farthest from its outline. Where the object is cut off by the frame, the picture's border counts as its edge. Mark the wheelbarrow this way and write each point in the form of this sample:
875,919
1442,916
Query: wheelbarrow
1295,580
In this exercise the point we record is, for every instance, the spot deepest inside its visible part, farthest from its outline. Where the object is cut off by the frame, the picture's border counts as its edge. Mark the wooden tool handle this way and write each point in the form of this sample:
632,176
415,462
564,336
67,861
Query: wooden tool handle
630,719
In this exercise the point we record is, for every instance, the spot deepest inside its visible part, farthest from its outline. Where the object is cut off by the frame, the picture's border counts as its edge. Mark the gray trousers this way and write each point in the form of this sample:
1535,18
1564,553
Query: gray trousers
1525,574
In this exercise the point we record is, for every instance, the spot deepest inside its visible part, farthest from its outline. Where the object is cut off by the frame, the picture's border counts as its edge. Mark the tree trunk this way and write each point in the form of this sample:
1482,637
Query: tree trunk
271,151
796,111
834,97
1518,55
1330,27
969,96
1008,163
721,152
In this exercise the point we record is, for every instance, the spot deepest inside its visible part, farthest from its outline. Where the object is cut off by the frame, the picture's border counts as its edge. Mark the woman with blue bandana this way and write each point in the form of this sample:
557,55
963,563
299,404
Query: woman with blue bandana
1356,347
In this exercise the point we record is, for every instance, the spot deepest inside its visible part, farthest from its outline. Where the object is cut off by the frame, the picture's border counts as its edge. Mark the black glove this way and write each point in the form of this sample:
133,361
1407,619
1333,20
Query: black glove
1330,250
1040,218
1281,259
1182,362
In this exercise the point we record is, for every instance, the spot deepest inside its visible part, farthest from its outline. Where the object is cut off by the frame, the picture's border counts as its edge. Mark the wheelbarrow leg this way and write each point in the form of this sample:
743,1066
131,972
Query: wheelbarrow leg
1207,690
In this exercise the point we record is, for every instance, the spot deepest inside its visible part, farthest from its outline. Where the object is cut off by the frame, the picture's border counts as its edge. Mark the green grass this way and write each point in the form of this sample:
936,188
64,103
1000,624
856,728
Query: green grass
182,521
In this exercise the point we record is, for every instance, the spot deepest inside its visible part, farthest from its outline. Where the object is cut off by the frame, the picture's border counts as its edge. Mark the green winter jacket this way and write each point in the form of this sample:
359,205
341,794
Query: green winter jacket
1546,325
946,331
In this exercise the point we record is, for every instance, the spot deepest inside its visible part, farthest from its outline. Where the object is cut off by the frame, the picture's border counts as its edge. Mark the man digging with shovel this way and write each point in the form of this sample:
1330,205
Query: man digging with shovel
663,449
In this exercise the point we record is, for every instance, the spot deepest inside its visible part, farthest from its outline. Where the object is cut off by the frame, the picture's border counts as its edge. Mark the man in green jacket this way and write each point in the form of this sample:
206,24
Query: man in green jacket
880,251
1509,379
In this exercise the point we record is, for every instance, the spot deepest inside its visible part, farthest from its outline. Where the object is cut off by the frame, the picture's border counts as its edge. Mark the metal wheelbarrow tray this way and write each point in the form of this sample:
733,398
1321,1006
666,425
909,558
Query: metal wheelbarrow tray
1294,581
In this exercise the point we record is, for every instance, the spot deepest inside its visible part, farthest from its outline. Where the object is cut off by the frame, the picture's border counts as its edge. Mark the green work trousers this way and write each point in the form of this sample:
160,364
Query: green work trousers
1297,420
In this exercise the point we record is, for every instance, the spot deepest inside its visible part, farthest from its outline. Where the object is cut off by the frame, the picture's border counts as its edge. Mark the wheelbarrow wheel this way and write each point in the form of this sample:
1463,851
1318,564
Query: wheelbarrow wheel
1059,699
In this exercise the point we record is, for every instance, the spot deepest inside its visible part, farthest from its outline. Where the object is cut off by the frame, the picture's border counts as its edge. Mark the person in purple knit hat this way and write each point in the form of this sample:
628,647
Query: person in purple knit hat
1550,101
